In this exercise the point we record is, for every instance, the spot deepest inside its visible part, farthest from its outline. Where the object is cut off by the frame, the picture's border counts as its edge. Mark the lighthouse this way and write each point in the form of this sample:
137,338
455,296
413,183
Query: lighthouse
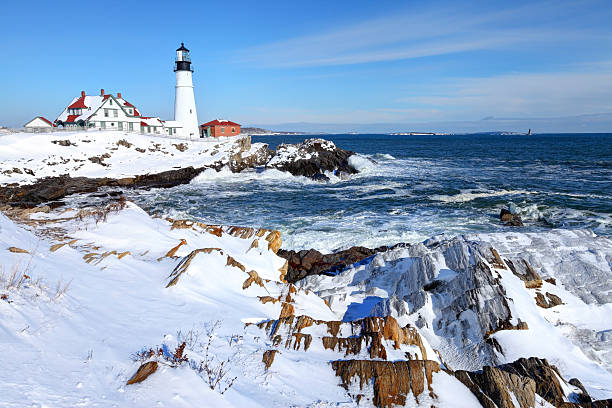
184,101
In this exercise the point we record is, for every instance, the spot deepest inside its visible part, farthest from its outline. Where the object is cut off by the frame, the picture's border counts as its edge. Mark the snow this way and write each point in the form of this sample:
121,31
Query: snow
93,103
96,293
571,336
75,348
45,158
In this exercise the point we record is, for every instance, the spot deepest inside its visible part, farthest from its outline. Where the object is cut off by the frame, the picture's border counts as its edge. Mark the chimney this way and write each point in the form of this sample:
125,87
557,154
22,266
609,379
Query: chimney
101,92
82,94
119,95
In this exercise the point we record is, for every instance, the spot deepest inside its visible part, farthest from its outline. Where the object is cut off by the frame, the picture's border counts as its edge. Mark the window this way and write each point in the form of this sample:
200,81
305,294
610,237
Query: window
103,125
222,130
130,126
106,113
175,131
115,112
120,125
233,130
110,102
131,112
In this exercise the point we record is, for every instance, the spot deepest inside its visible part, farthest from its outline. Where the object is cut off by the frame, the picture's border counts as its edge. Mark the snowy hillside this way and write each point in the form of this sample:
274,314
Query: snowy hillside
105,305
90,295
29,156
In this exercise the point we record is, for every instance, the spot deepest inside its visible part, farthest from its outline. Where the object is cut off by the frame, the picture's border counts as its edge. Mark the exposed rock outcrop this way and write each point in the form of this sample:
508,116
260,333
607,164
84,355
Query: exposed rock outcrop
392,382
548,301
524,378
510,219
546,377
144,371
312,158
268,357
249,157
493,387
372,337
312,262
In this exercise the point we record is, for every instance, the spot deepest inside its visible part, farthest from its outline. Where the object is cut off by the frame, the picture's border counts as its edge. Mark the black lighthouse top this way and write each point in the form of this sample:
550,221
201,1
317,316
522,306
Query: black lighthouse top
183,61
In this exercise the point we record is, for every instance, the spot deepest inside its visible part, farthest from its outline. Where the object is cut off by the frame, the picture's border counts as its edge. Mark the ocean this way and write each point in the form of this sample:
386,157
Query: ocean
411,188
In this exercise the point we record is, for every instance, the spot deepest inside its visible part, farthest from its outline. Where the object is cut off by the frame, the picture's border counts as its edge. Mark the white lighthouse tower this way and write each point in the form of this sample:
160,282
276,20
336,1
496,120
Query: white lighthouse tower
184,101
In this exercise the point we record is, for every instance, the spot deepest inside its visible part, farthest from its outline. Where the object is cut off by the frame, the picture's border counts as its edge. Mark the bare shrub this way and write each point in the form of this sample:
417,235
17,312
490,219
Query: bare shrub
214,371
61,289
101,213
20,279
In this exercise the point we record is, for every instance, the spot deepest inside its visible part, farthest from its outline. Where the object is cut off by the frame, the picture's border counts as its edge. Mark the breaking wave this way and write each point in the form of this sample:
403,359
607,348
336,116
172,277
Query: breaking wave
410,189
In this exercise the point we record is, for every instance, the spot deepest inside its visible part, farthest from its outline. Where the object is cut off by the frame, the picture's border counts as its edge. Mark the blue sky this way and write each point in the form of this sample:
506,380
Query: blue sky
340,62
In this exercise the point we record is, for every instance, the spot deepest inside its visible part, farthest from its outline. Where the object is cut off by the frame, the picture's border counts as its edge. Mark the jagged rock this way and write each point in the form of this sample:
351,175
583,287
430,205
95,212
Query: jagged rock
493,386
510,219
65,142
166,179
392,382
268,357
544,375
250,158
468,297
372,335
183,265
181,147
18,250
524,378
144,371
312,158
583,396
549,301
312,262
48,189
99,159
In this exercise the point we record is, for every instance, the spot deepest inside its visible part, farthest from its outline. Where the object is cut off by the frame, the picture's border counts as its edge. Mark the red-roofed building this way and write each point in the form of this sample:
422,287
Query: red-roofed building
39,124
220,127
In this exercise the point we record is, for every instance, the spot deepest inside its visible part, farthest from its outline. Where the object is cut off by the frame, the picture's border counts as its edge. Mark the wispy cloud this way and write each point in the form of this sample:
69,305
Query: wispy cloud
528,94
418,34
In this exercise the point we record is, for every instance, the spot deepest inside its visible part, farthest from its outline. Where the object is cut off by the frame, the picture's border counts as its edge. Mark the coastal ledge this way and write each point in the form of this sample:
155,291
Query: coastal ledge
38,169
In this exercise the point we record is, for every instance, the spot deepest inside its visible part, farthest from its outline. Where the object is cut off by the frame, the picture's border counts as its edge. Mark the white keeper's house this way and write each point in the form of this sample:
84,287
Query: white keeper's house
110,112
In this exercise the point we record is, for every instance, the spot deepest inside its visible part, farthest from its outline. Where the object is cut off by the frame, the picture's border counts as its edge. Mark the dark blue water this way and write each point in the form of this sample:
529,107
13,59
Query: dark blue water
420,186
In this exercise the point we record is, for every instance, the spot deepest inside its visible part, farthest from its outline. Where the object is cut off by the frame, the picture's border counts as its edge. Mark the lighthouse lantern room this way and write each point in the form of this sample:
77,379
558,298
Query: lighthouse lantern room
184,100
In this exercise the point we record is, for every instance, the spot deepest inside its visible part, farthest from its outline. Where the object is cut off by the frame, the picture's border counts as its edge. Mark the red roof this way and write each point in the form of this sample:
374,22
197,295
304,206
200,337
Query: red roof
126,103
79,103
71,118
136,113
217,122
143,123
106,96
48,121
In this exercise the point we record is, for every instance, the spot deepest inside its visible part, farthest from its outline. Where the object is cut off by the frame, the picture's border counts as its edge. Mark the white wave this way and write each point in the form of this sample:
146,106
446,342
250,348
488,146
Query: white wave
471,195
382,156
268,175
361,163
